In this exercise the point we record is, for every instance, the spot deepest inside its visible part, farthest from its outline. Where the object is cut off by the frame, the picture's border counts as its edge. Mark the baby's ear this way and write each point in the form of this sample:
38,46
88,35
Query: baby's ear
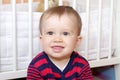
40,36
79,40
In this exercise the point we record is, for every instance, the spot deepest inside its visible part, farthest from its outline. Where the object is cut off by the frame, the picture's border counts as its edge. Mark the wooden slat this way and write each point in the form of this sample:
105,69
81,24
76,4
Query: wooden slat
30,30
14,35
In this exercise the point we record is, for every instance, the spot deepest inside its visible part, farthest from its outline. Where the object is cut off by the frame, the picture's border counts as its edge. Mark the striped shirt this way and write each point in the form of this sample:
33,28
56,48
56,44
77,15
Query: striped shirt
42,68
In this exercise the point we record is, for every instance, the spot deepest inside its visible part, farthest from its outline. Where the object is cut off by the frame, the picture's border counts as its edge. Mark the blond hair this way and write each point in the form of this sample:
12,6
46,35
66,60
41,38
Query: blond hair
59,11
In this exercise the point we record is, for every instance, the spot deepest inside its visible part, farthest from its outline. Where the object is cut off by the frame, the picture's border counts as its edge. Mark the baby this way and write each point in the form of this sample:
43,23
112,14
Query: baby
60,29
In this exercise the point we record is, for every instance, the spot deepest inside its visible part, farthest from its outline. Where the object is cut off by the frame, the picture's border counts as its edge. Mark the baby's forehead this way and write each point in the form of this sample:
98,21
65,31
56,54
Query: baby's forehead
63,18
62,22
60,17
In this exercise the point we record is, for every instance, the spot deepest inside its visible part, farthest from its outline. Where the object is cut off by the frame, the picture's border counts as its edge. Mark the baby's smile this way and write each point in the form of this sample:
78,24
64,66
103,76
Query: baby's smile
57,48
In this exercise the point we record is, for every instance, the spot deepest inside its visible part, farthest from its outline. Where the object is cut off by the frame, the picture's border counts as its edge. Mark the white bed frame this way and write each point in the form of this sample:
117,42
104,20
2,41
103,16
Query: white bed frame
110,60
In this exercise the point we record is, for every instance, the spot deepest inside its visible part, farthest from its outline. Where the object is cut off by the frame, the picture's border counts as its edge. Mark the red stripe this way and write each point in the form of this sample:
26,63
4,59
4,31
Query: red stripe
40,62
79,61
31,78
57,75
46,71
74,70
32,72
40,54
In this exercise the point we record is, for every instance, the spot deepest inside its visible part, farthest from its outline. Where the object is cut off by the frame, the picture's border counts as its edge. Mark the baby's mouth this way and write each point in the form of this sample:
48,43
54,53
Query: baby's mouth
57,48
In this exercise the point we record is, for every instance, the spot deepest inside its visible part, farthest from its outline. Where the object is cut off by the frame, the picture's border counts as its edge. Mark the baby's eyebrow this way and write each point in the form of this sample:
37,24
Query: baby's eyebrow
68,30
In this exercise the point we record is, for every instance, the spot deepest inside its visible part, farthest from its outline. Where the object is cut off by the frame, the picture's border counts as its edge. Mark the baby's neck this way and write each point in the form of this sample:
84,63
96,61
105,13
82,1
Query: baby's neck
61,64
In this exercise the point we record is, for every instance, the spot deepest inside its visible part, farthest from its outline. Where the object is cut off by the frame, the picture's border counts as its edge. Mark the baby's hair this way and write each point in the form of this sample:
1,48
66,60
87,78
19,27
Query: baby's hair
59,11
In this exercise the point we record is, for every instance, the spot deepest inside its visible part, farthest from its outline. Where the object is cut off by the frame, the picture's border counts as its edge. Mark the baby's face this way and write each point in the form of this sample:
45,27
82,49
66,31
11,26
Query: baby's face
59,36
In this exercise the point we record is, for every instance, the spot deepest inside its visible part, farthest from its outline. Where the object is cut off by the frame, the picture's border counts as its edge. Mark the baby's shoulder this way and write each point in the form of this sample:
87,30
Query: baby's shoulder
79,59
39,60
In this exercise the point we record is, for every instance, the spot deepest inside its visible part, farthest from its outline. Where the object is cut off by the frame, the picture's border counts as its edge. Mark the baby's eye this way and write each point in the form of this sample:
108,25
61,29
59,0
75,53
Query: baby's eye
50,33
66,33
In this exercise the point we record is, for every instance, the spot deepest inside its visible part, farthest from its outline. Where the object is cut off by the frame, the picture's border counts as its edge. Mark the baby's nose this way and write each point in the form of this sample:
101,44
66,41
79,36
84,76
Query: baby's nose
58,38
